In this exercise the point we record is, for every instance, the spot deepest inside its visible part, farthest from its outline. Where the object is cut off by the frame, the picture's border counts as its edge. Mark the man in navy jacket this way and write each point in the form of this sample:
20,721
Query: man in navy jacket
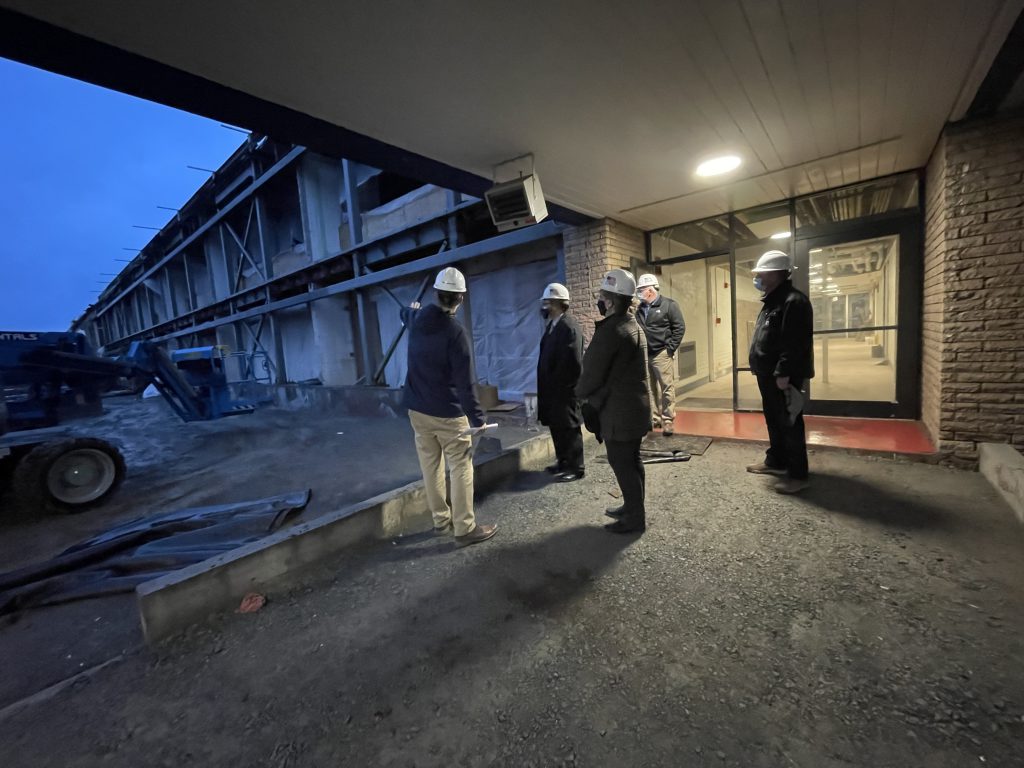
442,407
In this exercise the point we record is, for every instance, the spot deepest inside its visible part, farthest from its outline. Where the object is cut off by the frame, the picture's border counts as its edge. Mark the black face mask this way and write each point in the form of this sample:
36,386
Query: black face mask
601,307
545,312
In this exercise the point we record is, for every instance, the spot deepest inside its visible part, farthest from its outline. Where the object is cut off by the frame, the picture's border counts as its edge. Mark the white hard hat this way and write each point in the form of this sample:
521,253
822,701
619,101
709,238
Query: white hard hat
646,280
619,281
773,261
556,291
450,279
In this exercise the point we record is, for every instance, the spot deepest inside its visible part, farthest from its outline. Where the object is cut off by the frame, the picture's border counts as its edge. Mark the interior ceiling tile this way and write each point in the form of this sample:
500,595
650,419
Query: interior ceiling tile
617,102
772,35
876,32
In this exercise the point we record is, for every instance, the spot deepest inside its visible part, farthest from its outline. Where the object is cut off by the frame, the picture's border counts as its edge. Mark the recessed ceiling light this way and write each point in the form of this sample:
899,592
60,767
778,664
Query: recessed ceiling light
718,165
780,235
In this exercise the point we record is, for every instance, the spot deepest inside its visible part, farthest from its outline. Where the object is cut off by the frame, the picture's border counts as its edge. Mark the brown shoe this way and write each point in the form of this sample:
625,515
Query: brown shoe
790,485
765,469
478,534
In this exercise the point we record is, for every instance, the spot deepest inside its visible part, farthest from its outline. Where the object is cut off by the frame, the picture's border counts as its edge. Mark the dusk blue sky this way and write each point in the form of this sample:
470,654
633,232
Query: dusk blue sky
81,165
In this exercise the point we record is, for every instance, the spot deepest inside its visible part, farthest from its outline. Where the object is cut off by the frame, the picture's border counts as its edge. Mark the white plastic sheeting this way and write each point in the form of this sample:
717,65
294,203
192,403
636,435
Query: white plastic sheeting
390,323
301,357
507,325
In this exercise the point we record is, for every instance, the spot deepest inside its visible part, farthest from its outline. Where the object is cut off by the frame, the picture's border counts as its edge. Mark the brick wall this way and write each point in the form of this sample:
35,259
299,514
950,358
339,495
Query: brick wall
974,288
592,250
933,303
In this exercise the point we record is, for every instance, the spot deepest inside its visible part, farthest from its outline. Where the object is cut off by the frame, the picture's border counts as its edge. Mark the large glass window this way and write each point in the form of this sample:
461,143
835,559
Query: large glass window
769,224
852,280
704,360
689,239
853,289
894,193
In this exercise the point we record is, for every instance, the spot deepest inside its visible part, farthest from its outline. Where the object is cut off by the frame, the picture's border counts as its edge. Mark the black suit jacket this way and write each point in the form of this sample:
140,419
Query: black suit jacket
558,369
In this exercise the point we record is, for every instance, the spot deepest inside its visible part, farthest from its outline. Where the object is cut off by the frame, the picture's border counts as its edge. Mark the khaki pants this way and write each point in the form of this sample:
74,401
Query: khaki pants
663,387
438,439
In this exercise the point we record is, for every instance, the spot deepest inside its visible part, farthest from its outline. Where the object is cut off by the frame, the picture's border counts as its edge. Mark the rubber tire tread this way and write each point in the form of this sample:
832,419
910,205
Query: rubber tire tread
28,483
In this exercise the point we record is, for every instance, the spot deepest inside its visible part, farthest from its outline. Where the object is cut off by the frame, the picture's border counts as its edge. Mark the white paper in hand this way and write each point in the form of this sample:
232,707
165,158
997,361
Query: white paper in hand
794,403
478,430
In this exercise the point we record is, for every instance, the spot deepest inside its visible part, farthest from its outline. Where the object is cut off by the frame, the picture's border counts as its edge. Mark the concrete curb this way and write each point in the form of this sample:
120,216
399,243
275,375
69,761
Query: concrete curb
172,602
1003,466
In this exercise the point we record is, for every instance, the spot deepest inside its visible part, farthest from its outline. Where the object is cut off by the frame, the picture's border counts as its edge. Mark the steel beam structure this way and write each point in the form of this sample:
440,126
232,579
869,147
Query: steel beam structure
376,244
464,253
355,229
280,165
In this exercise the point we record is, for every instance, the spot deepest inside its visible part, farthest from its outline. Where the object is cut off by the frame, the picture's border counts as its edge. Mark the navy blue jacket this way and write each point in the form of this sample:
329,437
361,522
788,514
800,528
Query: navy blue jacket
438,382
663,325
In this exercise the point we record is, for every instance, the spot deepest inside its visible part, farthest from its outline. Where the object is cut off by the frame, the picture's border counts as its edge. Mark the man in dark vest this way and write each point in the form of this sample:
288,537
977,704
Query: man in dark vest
558,370
782,358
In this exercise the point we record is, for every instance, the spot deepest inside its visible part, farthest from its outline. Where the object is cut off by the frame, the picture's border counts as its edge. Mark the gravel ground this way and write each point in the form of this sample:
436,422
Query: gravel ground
172,465
875,621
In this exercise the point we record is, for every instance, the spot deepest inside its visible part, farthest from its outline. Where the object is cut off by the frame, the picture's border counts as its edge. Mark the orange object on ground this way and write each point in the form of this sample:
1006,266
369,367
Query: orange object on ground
251,603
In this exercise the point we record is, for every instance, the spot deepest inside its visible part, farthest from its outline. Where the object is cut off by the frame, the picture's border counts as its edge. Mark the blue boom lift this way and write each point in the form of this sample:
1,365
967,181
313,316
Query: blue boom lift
49,378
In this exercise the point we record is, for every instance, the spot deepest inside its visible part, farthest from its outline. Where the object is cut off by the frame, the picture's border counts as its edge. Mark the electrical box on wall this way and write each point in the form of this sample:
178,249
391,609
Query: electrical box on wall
517,203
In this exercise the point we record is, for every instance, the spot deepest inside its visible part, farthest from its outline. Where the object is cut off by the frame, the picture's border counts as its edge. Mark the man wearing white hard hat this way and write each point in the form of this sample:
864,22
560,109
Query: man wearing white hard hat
663,325
615,385
782,359
442,406
558,369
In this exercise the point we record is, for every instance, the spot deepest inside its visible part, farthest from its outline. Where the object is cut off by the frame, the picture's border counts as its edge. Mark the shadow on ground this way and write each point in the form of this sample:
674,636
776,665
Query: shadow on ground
469,618
857,498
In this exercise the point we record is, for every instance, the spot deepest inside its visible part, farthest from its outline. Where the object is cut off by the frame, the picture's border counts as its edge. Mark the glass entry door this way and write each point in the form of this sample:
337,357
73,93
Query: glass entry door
704,361
864,286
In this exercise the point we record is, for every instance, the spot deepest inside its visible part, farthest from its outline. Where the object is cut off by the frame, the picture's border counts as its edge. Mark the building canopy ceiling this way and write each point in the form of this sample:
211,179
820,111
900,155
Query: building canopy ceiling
617,102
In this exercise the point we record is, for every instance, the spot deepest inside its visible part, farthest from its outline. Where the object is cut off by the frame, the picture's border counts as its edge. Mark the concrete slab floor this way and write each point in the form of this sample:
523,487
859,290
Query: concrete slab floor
172,465
876,620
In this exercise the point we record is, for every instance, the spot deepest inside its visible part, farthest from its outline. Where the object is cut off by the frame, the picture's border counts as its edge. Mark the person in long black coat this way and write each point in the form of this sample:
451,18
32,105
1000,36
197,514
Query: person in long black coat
558,369
615,383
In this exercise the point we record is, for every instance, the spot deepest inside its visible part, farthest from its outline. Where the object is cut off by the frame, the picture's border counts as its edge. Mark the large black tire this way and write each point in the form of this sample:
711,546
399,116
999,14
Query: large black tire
68,475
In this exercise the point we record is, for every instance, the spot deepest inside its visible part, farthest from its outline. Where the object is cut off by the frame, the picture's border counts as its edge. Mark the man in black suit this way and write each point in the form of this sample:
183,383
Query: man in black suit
558,370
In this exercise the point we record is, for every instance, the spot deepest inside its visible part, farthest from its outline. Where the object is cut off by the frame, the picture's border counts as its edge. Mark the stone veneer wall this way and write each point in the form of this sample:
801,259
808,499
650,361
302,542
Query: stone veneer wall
973,343
590,251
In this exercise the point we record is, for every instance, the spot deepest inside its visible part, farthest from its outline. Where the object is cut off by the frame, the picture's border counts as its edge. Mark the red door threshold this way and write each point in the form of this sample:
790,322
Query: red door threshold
882,435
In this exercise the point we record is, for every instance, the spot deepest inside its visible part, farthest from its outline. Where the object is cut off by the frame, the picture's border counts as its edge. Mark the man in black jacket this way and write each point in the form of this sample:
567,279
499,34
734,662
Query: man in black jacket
558,370
442,406
782,358
663,325
614,383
